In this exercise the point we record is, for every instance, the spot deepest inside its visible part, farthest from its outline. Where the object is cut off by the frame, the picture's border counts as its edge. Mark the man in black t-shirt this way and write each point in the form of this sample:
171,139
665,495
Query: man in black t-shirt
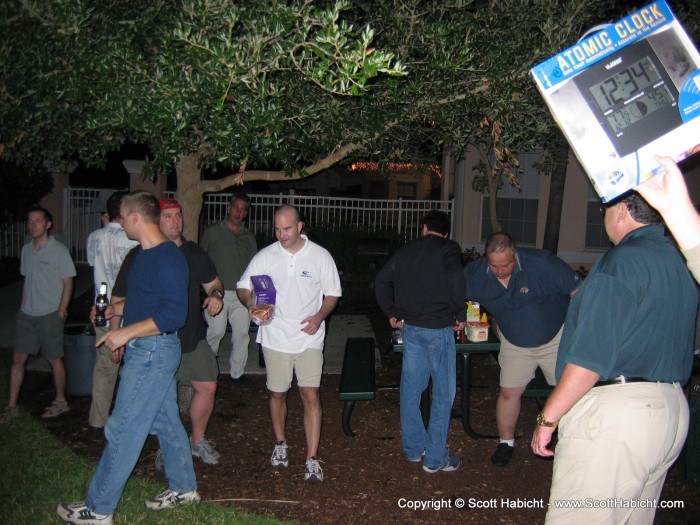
198,367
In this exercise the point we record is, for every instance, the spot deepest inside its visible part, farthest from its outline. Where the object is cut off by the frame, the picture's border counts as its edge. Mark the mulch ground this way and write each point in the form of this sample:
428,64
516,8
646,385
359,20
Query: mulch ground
367,479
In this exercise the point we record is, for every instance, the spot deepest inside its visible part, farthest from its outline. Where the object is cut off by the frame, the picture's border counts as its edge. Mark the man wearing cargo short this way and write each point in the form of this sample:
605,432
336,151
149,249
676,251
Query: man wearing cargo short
48,272
307,290
528,292
198,367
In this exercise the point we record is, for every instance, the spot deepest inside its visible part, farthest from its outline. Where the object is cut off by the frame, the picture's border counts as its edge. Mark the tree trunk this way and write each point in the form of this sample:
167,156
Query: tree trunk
556,199
189,194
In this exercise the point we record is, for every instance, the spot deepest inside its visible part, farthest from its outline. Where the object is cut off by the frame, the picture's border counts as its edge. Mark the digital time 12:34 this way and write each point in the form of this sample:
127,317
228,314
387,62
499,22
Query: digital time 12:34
631,94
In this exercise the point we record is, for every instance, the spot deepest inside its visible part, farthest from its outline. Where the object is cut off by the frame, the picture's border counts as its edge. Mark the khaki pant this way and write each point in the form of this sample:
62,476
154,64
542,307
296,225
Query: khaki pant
237,316
104,378
615,446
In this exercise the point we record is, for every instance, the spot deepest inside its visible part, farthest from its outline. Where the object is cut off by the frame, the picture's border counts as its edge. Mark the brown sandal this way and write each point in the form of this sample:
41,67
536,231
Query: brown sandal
55,409
8,414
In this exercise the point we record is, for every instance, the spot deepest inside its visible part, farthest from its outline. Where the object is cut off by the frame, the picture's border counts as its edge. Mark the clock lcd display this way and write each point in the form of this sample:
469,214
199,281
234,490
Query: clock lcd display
640,107
625,83
632,97
631,94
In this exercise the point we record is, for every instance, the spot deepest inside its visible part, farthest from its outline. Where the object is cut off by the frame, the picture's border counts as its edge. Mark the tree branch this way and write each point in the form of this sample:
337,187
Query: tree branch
239,178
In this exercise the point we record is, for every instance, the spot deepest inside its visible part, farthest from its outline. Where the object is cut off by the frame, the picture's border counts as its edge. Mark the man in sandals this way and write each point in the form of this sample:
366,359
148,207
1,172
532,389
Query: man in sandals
48,272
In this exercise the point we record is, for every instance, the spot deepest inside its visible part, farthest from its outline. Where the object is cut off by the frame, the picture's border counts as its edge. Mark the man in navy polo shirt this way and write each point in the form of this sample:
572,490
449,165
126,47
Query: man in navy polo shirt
528,293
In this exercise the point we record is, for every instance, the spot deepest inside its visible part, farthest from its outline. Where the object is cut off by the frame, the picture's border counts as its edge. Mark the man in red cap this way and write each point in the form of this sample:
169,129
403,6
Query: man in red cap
198,367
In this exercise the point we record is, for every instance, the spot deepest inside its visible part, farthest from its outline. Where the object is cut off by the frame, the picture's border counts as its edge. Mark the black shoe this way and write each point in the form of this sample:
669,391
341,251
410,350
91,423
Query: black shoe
95,431
502,455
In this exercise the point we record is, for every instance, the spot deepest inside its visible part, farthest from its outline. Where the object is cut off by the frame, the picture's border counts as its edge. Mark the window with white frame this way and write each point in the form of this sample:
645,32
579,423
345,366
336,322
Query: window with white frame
517,209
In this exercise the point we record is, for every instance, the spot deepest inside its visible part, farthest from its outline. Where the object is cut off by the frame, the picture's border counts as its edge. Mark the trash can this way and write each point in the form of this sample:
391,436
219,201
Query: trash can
79,358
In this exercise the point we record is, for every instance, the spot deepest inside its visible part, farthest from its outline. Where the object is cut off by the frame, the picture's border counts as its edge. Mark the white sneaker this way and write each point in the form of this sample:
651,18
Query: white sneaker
78,514
312,471
205,451
170,498
280,456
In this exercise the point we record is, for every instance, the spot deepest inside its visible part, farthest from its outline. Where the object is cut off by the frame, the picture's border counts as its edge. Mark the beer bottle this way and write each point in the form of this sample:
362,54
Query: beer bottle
101,304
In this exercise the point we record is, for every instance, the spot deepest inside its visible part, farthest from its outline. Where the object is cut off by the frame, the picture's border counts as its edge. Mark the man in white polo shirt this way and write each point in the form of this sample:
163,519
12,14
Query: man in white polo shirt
308,287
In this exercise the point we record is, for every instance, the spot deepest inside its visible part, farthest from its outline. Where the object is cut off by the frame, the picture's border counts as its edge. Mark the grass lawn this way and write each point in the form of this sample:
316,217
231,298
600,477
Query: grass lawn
38,472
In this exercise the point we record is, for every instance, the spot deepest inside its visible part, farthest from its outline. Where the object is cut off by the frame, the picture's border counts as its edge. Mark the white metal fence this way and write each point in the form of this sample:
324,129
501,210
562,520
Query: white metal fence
370,215
12,238
83,207
82,214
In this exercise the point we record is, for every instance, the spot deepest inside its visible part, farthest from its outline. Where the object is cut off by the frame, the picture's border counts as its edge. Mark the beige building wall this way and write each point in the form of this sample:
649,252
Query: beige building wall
577,191
572,235
139,182
54,201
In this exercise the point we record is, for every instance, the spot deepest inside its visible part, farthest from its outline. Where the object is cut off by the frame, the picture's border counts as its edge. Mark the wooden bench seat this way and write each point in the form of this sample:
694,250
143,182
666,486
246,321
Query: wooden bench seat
357,379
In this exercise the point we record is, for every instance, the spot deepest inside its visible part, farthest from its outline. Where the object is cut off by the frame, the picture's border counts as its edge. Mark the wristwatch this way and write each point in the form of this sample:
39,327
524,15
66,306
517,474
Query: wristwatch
542,421
219,294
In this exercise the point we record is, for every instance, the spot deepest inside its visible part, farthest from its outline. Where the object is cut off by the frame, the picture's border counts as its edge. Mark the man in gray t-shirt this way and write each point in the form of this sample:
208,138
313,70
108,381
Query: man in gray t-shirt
48,272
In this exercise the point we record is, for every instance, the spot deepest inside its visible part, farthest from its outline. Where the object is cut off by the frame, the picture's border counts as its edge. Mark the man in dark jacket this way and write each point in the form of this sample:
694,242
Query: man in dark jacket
421,289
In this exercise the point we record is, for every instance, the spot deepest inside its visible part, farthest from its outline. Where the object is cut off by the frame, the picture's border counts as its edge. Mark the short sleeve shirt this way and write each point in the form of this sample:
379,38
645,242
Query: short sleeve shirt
44,271
302,280
201,271
634,314
531,310
231,252
106,249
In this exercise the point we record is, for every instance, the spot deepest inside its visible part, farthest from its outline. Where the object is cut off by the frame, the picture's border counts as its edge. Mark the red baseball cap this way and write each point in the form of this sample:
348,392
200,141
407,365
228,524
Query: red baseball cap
168,204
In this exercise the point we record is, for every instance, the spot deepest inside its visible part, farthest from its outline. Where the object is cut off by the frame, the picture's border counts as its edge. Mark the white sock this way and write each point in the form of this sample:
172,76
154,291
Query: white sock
509,442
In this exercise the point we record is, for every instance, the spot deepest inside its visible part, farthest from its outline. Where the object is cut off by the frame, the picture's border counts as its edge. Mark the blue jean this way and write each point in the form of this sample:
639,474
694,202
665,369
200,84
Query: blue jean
146,404
427,353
